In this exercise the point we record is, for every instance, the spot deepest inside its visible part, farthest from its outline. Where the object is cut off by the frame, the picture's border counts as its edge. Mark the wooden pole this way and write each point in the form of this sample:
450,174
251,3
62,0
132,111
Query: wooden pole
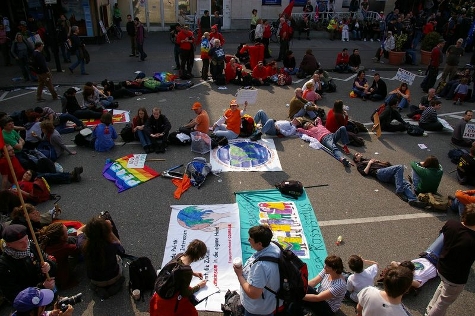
25,212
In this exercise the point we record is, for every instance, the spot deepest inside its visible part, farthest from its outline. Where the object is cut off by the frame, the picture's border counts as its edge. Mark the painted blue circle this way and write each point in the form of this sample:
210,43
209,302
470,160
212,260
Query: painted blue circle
242,154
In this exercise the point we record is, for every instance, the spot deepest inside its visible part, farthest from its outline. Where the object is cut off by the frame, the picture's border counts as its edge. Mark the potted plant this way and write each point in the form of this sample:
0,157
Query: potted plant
428,43
397,55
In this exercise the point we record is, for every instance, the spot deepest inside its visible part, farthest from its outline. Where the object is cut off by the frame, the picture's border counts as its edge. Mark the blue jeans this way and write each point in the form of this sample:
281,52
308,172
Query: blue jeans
415,180
268,125
412,53
456,206
292,72
107,101
330,140
63,119
395,174
221,130
359,92
302,113
79,62
341,134
436,246
141,52
143,138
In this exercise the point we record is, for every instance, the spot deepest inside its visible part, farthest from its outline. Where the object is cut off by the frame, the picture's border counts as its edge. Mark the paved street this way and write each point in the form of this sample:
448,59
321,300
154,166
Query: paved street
373,221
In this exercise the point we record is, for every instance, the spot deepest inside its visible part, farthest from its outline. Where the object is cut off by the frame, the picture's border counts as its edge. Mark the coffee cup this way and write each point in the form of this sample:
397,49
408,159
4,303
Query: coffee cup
237,262
136,294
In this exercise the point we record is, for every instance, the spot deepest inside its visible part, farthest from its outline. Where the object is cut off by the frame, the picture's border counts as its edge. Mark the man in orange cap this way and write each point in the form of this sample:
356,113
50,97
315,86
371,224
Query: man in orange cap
200,123
229,125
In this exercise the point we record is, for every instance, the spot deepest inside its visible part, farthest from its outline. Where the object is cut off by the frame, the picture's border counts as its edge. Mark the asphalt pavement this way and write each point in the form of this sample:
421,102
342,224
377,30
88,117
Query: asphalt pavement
373,221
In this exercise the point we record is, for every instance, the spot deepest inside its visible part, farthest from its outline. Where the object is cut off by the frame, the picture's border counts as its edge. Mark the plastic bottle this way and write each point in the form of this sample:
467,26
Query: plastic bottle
339,240
237,262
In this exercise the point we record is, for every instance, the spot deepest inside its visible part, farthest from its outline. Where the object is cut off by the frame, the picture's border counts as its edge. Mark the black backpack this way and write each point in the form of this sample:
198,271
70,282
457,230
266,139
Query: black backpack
247,126
292,188
166,284
232,304
142,276
127,133
455,154
293,276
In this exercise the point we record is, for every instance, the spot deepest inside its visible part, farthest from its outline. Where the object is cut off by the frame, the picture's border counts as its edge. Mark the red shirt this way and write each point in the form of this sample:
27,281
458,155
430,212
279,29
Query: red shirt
230,72
184,34
342,59
256,53
217,35
259,73
5,170
435,57
335,120
284,28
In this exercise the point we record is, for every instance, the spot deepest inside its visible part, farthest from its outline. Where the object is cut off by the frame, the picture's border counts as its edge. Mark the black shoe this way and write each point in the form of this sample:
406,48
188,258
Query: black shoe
76,174
132,55
70,70
402,196
419,204
345,162
256,137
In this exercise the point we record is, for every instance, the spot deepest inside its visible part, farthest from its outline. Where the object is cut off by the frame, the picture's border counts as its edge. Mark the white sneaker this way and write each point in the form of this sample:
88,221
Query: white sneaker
364,40
382,62
371,40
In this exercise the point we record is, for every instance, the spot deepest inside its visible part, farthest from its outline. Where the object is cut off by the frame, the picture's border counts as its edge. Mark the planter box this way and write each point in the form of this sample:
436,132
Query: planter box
425,57
397,58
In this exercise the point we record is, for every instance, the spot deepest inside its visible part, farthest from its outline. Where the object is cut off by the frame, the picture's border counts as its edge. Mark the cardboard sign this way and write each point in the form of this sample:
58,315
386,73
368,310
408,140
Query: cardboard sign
405,76
469,131
137,161
249,95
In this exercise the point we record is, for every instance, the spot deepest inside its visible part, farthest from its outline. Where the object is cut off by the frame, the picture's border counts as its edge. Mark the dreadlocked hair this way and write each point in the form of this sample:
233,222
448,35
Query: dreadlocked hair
50,235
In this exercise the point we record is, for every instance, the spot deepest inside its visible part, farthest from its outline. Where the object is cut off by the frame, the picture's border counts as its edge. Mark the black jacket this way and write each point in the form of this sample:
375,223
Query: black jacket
379,88
160,125
130,27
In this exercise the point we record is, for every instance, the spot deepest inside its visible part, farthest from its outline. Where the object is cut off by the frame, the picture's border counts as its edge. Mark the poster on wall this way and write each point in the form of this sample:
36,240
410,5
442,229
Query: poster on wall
79,13
271,2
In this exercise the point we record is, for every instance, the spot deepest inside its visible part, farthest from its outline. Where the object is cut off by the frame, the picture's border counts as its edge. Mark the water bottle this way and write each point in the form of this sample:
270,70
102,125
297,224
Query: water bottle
339,240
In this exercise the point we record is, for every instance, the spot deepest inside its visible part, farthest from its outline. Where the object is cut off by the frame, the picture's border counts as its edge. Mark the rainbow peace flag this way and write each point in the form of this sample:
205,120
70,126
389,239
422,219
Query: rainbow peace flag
126,178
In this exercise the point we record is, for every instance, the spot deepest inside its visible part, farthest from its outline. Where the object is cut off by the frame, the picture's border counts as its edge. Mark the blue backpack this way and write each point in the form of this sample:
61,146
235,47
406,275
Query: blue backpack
197,170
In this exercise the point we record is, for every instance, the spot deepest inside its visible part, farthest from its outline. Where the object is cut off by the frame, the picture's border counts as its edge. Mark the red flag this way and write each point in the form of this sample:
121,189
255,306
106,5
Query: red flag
2,141
288,9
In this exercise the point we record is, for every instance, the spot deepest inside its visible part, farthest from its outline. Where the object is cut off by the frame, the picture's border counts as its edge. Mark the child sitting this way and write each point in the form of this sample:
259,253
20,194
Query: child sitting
104,133
461,91
361,278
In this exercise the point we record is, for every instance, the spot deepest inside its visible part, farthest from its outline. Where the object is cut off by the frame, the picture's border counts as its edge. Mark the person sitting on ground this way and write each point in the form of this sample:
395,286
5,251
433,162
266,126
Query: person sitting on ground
360,278
32,128
355,61
59,120
26,187
256,54
233,72
378,89
52,136
20,264
290,63
272,127
466,168
157,128
94,99
461,199
200,123
300,107
55,241
388,45
372,301
138,126
461,91
308,65
101,249
33,301
450,86
260,76
457,134
37,219
336,117
181,302
390,114
328,139
360,86
50,177
429,120
416,111
426,175
309,93
229,125
317,83
402,95
73,107
342,61
325,79
104,133
325,300
385,172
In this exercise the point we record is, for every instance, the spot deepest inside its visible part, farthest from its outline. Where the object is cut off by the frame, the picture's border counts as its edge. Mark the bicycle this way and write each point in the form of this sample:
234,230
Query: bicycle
114,31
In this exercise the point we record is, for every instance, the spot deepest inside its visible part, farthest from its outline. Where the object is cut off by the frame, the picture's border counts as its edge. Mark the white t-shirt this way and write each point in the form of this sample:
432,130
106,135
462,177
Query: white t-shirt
424,270
374,305
358,281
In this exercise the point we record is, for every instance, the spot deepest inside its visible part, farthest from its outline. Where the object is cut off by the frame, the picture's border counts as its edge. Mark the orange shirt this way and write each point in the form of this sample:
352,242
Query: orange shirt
202,122
233,120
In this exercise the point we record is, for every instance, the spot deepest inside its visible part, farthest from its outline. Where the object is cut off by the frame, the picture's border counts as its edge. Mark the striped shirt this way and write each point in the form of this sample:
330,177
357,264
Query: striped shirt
429,115
336,287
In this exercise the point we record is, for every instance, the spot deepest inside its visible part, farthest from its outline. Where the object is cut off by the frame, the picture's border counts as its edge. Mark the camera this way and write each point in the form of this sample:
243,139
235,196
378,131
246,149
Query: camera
72,300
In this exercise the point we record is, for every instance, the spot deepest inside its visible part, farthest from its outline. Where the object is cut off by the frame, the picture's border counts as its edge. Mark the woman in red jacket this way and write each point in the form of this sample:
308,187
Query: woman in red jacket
336,117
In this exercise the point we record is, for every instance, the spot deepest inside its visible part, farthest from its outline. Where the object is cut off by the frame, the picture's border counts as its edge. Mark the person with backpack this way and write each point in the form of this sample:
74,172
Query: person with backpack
173,293
324,300
390,114
466,168
104,133
426,175
63,30
256,277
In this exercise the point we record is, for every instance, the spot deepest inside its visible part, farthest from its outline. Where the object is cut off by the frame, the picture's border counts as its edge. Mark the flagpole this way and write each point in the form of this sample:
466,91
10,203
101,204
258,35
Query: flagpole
25,212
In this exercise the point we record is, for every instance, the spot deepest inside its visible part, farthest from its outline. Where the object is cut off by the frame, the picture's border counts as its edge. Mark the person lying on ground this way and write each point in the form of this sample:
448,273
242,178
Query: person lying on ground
272,127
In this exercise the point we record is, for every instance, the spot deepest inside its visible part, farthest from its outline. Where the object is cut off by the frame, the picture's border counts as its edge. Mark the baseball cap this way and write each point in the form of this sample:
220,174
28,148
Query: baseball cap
31,298
196,106
233,102
441,40
14,232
